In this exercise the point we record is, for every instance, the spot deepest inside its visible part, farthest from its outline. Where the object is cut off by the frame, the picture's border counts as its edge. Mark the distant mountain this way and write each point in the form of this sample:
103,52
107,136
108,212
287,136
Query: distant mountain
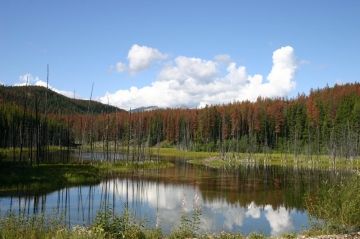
145,109
56,103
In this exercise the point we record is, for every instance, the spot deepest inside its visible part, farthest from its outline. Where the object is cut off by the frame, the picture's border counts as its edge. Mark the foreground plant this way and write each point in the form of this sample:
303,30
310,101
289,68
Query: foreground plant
338,206
189,222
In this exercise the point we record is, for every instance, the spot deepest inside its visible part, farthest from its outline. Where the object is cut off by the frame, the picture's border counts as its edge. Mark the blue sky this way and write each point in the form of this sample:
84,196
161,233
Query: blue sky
84,40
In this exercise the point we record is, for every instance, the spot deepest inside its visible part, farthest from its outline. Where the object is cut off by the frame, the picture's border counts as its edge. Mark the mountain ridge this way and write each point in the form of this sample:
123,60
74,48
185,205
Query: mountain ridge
56,103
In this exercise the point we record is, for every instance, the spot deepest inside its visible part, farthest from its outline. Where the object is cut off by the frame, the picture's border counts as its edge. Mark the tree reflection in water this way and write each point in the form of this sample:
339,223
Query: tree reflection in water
264,199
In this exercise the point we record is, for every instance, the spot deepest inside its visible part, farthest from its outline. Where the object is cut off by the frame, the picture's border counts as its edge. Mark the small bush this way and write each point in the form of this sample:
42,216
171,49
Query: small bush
114,226
189,225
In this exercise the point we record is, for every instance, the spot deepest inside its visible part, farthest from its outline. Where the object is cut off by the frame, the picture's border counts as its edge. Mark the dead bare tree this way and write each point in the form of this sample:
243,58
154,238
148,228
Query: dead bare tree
22,128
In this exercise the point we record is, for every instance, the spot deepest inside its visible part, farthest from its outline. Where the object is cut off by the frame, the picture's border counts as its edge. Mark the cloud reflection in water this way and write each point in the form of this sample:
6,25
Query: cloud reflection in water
169,201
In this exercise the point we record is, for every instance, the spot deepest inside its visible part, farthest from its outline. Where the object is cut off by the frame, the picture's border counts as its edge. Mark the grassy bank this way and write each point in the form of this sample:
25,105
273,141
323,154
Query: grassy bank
214,160
109,226
112,226
174,152
16,177
233,159
276,159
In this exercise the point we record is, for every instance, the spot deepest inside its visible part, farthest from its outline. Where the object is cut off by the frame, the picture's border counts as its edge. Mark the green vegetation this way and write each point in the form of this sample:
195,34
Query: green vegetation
337,205
321,130
326,122
175,152
7,152
106,225
232,160
317,131
124,226
112,226
16,177
124,167
189,225
16,96
46,177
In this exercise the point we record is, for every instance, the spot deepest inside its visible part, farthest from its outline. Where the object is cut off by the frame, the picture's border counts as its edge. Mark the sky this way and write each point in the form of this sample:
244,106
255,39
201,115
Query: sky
179,53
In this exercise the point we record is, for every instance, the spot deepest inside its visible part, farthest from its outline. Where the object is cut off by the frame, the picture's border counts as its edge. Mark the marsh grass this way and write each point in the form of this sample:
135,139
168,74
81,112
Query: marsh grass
107,168
233,160
45,177
337,206
6,152
108,225
16,177
14,227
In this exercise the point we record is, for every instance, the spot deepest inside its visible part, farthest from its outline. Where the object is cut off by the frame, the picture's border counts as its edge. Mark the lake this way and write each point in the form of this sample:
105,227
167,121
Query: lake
265,199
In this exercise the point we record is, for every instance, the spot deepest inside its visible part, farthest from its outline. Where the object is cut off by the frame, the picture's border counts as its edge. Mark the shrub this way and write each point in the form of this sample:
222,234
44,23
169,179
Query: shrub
115,226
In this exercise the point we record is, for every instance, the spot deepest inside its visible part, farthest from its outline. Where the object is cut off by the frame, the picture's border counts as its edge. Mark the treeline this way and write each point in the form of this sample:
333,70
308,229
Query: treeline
55,103
29,133
30,125
327,121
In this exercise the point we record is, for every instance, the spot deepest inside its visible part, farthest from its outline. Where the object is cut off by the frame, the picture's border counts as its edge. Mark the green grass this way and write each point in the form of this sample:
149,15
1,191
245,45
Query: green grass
174,152
9,151
231,159
16,177
106,225
123,167
338,205
109,226
276,159
46,177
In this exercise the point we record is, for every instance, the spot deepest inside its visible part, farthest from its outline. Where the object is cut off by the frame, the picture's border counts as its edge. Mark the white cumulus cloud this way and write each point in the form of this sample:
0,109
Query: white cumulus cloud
141,57
195,82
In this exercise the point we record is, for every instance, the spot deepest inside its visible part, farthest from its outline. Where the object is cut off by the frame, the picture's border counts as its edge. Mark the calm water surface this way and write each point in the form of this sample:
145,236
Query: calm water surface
251,198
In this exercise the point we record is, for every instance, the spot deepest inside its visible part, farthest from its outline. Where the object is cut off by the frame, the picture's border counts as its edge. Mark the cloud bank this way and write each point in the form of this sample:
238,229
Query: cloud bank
196,82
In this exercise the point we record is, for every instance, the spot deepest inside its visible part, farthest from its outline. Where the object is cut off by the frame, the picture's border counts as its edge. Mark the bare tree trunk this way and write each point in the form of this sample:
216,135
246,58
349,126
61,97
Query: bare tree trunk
38,125
22,129
91,124
115,136
129,138
45,139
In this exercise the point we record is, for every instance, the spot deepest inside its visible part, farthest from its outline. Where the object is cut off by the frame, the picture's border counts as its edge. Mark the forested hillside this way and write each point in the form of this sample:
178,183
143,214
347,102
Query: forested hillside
56,103
29,119
327,121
